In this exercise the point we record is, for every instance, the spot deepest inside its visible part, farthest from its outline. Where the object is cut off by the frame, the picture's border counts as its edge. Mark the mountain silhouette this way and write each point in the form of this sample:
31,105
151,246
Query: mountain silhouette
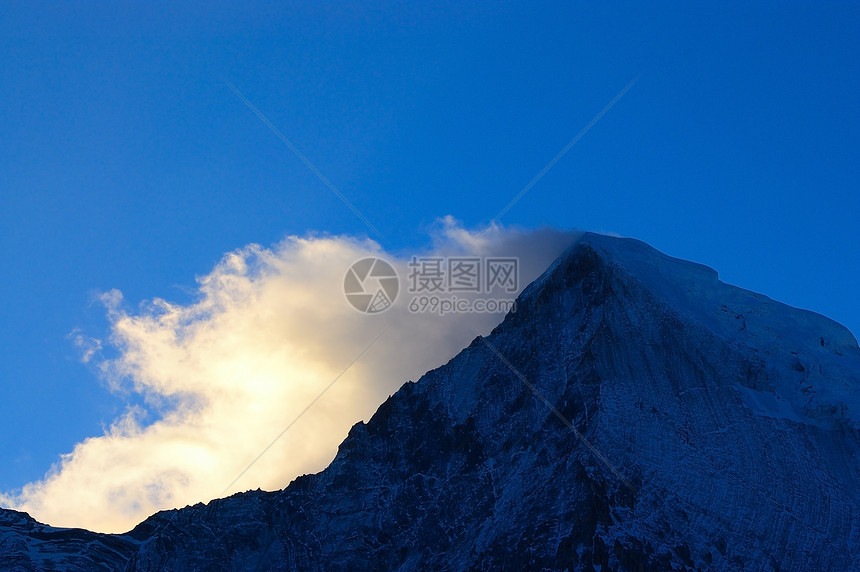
634,413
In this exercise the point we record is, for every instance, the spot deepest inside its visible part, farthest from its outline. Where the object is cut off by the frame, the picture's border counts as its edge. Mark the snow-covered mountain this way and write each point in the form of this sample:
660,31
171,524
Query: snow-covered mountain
634,413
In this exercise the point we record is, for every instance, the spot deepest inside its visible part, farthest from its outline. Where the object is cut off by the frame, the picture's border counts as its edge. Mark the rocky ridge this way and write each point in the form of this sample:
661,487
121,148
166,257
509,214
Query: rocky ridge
634,413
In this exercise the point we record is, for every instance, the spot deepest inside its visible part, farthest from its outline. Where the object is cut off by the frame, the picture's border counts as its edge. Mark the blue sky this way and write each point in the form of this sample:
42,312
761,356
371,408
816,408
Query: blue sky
128,163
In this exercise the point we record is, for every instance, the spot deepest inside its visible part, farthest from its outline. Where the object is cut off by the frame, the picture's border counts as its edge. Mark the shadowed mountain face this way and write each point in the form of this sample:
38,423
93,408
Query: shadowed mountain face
634,413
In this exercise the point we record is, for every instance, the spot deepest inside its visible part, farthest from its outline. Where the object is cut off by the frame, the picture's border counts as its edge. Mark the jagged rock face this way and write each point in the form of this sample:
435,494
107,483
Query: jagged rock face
712,428
28,545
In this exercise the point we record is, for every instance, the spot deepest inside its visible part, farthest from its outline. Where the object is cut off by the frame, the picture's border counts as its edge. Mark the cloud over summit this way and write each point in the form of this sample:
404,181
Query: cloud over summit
267,331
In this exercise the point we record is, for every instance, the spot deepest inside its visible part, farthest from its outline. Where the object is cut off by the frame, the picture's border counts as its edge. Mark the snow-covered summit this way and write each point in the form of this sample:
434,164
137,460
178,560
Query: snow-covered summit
813,361
634,413
696,288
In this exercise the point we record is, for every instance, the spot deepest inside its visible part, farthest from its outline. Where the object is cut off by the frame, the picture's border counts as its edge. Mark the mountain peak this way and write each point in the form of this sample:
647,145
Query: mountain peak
633,413
813,360
696,288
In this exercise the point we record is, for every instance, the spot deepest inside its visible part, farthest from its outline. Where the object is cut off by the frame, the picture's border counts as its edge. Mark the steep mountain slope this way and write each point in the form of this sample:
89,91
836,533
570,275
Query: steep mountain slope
634,413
